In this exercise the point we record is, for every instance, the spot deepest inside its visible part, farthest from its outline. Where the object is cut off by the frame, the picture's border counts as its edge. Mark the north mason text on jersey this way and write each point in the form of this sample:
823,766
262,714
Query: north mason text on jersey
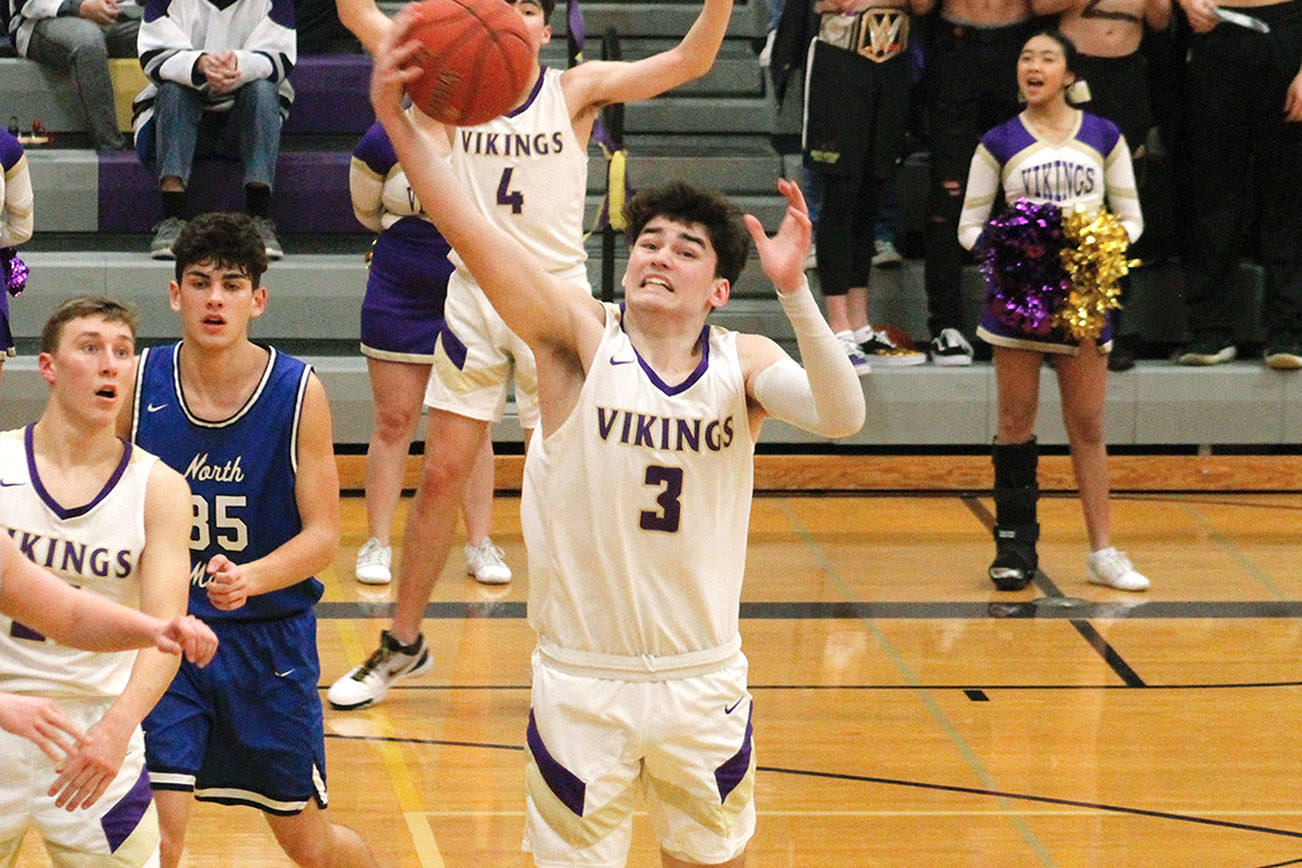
665,433
201,470
486,144
1059,180
74,558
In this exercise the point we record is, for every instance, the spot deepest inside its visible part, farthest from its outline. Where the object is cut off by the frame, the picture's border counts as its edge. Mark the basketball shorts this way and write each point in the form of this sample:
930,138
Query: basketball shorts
119,830
594,743
246,729
402,312
477,357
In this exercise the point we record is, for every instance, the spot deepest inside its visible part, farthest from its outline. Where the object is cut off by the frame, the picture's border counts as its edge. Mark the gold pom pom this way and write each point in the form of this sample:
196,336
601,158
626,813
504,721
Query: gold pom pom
1095,260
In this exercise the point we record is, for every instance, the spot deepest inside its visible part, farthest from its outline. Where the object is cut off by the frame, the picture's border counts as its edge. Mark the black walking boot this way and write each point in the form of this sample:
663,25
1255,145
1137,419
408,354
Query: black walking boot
1016,528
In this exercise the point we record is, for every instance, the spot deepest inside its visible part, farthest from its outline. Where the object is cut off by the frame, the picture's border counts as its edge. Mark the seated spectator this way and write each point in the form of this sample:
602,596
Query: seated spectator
218,86
15,227
78,37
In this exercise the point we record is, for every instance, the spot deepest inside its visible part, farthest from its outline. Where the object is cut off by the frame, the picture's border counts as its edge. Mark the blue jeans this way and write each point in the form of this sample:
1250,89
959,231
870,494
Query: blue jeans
82,49
250,130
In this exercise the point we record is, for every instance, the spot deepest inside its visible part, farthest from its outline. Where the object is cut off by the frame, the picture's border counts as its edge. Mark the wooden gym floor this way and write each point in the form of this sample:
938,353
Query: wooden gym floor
906,713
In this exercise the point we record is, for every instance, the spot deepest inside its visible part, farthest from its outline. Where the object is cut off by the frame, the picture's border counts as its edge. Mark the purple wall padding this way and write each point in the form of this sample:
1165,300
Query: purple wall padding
311,192
331,95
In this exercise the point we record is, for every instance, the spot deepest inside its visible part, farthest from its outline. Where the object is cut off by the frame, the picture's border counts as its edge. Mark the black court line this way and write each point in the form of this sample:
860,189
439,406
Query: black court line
964,686
1282,864
1052,606
1088,631
897,782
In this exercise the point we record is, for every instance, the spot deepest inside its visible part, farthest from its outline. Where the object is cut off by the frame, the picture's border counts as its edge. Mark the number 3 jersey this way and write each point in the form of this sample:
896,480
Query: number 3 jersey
96,546
241,472
635,514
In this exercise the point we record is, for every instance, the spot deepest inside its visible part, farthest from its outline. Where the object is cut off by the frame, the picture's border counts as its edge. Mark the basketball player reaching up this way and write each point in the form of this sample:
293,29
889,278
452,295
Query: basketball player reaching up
636,501
250,428
42,601
527,172
109,518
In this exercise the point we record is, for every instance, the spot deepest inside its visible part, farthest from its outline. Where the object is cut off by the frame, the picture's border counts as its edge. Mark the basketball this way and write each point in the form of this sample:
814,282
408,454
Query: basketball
476,58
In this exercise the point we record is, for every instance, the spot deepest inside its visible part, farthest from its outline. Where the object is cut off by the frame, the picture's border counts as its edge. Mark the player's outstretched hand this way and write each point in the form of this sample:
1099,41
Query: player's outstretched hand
228,587
91,765
41,722
783,256
394,67
188,635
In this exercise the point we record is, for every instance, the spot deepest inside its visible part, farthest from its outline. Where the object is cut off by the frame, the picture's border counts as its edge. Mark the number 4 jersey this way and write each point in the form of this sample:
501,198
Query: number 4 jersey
241,472
635,514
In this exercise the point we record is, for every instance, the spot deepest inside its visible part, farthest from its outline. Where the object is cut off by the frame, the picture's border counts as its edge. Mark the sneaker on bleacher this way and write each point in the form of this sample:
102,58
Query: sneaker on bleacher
165,235
950,349
267,230
886,256
862,366
880,349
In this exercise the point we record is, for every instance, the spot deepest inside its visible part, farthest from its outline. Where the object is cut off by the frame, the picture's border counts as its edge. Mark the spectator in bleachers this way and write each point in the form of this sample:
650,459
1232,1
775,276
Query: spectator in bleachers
78,37
1245,106
969,88
218,85
402,315
1107,36
856,114
15,228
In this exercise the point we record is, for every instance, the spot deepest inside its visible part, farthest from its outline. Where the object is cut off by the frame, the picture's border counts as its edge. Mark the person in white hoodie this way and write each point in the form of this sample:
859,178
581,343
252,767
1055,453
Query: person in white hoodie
218,75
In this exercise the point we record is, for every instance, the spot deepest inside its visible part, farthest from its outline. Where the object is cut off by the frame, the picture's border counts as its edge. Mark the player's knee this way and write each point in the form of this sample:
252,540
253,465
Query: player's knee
445,472
395,424
1083,429
308,851
170,847
1016,421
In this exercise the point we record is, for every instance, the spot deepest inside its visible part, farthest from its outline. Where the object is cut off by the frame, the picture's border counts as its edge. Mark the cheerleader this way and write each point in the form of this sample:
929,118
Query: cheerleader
1056,154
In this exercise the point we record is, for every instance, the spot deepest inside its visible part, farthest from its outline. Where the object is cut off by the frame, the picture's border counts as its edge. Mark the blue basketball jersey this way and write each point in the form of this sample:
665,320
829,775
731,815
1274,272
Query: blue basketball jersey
241,472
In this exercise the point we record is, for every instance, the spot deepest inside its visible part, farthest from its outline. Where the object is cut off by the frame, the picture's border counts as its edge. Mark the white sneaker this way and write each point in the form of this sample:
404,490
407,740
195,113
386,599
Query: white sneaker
862,366
950,349
373,562
886,256
485,563
1112,568
366,684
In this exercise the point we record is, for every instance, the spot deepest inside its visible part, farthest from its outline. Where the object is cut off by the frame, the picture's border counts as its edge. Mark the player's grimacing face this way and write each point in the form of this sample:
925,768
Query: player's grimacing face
673,261
216,301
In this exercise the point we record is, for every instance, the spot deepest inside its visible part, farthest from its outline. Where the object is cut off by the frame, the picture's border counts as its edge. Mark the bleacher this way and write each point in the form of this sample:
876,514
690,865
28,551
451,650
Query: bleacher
94,213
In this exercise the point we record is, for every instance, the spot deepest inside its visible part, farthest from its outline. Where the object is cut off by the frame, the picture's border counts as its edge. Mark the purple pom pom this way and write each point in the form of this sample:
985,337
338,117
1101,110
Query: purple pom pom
1021,260
15,271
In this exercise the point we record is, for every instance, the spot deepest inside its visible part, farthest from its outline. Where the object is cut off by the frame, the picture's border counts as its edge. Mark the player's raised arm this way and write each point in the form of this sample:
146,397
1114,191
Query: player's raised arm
364,20
536,306
825,396
596,83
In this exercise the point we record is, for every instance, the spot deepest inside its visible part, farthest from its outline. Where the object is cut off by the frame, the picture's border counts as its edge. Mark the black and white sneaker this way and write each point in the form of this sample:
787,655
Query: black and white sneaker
950,349
366,684
881,350
1204,352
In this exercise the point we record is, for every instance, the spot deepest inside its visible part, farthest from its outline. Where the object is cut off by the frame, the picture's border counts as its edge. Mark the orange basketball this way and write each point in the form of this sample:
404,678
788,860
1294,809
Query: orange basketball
476,58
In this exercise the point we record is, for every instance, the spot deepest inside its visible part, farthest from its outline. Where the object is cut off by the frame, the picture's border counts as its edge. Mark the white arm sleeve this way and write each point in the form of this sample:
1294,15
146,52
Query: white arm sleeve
979,197
824,397
1123,196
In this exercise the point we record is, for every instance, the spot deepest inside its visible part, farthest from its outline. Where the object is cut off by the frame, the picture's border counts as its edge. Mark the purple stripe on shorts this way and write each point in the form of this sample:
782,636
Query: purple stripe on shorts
728,775
122,819
560,780
453,347
22,631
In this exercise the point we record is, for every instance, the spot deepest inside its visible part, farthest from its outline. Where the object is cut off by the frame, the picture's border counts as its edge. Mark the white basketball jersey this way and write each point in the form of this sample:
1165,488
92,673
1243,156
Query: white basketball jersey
635,514
95,546
529,174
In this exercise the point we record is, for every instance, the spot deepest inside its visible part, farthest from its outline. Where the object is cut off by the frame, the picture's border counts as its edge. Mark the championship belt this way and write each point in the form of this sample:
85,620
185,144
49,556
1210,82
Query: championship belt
877,34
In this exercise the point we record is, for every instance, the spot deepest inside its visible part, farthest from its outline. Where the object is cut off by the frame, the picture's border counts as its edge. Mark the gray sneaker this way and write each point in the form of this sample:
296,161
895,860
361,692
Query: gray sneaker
165,235
267,230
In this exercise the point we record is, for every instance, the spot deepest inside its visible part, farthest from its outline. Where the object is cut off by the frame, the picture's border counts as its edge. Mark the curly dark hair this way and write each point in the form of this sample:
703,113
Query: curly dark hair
226,240
684,203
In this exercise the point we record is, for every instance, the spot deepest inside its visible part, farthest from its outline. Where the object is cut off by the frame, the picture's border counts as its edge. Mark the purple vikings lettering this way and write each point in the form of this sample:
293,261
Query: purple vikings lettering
1058,181
511,144
78,559
664,432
